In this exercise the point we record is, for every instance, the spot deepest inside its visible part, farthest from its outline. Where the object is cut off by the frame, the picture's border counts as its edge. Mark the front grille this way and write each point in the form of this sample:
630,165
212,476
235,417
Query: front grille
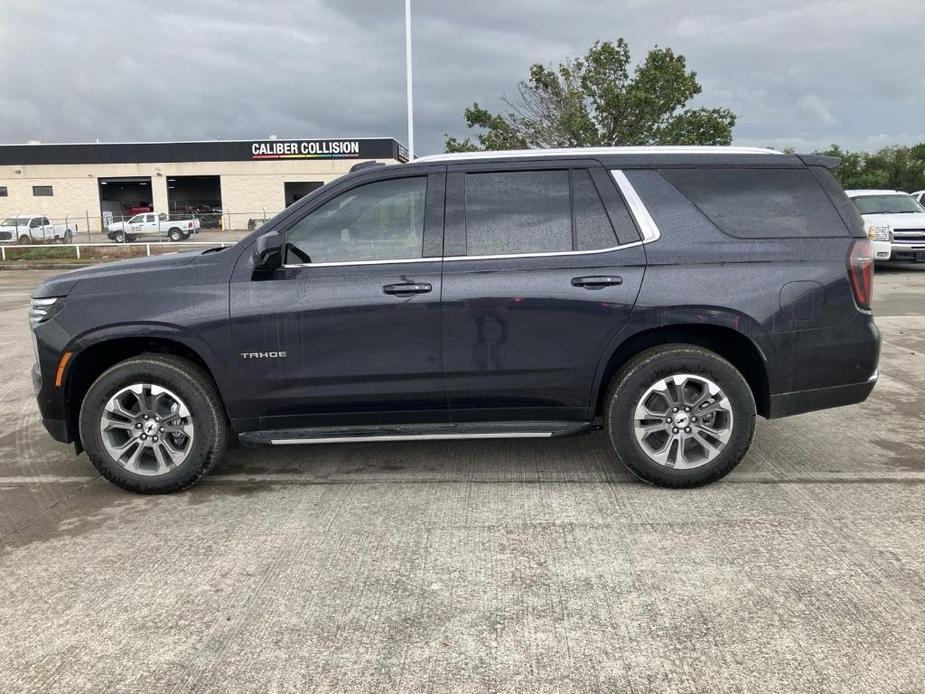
6,235
916,234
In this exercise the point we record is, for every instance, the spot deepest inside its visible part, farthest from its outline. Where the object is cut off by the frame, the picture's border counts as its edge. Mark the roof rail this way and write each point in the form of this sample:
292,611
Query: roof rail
597,152
366,165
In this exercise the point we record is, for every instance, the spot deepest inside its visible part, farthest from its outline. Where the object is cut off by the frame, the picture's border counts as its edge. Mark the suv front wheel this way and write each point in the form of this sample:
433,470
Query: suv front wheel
680,416
153,424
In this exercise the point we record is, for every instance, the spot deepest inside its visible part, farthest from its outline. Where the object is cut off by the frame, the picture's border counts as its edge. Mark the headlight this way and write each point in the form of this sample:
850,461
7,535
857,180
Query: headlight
879,233
43,309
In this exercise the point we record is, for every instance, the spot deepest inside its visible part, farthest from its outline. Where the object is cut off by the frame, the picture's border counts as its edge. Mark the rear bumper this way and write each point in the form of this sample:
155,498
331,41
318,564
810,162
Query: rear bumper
800,401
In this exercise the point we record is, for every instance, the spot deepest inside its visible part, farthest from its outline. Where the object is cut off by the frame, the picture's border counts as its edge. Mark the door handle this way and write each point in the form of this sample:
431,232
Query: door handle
406,288
597,282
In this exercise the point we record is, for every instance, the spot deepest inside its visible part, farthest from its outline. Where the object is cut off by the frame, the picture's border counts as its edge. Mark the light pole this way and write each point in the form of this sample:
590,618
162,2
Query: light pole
408,70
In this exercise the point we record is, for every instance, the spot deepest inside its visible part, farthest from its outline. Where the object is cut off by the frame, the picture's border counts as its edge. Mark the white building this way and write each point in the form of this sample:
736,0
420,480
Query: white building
227,183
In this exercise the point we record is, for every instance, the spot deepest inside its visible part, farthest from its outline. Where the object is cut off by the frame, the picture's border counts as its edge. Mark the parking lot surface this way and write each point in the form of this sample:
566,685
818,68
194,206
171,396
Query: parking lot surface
508,566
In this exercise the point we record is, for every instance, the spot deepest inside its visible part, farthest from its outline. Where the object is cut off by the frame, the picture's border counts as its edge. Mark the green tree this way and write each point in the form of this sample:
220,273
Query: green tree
598,100
896,168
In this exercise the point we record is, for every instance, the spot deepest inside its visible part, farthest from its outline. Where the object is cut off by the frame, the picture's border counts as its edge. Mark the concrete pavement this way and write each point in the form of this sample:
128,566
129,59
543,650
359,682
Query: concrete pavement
508,566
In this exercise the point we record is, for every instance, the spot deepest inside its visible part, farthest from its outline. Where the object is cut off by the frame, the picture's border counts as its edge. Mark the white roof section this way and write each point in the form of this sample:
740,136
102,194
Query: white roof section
268,138
597,152
870,191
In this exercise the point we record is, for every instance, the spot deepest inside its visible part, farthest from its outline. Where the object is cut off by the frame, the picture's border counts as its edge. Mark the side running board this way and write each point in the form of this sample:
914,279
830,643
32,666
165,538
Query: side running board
413,432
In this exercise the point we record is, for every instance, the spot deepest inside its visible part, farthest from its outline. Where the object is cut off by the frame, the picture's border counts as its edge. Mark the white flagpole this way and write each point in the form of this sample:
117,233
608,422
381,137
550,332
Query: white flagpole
408,70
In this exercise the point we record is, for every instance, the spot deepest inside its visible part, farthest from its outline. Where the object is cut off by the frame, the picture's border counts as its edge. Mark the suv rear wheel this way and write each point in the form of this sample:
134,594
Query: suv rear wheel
680,416
153,424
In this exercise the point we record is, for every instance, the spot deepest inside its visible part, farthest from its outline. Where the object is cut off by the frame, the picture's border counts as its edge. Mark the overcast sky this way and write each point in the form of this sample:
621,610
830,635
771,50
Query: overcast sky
805,73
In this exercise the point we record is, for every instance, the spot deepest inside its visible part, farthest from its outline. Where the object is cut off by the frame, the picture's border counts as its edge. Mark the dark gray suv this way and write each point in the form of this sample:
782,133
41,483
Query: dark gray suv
666,295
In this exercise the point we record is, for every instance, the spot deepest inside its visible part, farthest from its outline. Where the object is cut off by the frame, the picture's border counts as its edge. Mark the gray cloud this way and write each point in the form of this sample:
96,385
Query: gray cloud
805,73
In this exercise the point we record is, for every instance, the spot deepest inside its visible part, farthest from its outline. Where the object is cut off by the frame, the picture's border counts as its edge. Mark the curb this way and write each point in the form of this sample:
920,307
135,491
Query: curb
30,265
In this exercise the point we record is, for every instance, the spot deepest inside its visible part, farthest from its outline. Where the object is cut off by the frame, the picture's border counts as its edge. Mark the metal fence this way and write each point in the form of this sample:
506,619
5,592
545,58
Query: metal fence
86,228
99,251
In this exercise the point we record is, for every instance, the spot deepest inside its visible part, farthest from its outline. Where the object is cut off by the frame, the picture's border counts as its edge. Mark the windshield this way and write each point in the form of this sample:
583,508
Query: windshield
15,222
887,204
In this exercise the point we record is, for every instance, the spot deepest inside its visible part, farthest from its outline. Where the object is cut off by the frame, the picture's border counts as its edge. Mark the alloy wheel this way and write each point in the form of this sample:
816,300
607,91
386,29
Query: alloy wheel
683,421
147,429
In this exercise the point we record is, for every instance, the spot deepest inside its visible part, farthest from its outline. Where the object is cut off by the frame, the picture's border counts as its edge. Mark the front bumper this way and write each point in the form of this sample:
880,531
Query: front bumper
52,407
909,252
58,429
882,250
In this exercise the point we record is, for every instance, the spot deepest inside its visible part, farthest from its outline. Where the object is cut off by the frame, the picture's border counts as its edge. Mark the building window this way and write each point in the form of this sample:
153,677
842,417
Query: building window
42,191
3,192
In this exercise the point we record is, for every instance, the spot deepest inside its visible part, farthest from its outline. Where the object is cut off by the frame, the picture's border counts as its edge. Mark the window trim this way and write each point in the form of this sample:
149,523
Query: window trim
49,194
636,207
351,263
638,210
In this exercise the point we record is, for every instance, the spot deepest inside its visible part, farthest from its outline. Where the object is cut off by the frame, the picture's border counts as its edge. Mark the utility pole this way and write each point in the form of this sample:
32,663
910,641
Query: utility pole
408,70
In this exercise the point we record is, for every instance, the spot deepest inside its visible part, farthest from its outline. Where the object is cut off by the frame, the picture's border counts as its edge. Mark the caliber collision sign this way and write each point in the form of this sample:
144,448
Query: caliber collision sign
218,150
306,149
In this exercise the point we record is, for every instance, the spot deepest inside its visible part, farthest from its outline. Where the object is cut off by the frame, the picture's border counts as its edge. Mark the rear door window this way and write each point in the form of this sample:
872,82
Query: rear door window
516,212
760,203
526,212
592,226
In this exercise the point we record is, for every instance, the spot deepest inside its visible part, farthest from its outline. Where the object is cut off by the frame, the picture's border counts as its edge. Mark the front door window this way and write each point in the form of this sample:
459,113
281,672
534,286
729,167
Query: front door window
377,221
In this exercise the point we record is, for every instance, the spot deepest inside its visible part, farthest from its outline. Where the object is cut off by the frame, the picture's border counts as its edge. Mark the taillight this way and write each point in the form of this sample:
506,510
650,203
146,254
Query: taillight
861,272
189,226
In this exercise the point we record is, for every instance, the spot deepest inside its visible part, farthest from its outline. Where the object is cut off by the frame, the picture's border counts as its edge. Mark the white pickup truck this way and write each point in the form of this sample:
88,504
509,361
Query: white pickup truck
896,223
151,224
33,229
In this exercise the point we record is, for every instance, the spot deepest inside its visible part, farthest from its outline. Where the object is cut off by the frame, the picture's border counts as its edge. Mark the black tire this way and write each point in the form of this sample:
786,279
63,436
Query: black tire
25,240
192,386
635,378
175,235
119,237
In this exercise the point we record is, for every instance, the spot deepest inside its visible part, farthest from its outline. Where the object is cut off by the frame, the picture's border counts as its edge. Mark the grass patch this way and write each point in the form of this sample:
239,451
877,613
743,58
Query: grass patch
41,253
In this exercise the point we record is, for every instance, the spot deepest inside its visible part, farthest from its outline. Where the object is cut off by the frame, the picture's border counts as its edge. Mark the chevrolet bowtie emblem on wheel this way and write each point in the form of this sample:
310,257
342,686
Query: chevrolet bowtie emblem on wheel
263,355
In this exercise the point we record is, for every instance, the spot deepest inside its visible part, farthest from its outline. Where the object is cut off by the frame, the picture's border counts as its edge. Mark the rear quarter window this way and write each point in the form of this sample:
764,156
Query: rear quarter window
760,203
